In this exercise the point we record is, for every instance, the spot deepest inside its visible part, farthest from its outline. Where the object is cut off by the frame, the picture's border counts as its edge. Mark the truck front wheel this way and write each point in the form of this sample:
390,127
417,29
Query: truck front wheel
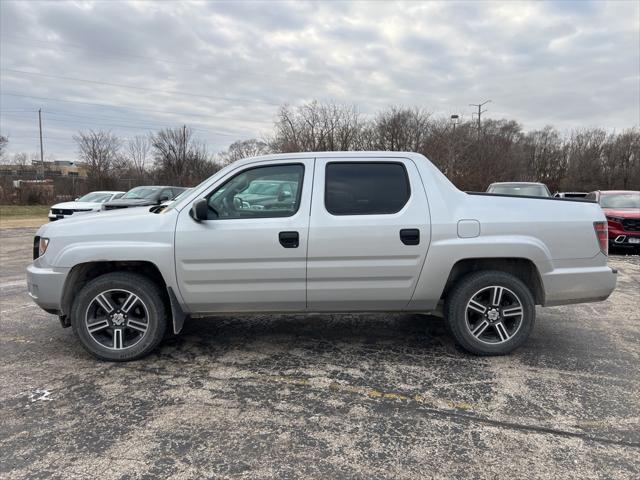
490,312
119,316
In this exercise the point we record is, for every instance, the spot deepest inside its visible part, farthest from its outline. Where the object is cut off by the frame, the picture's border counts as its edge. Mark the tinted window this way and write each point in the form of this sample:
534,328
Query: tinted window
96,197
365,188
259,193
166,194
141,192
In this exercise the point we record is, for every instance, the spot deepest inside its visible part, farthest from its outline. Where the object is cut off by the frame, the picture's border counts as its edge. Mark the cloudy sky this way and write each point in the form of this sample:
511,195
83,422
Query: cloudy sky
223,68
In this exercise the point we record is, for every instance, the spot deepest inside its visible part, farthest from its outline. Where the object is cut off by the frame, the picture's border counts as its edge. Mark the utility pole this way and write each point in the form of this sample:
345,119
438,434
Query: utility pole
184,141
41,149
480,112
455,119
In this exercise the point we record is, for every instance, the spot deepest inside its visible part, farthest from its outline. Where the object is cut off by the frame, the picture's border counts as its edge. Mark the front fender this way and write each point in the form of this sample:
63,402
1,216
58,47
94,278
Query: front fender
158,252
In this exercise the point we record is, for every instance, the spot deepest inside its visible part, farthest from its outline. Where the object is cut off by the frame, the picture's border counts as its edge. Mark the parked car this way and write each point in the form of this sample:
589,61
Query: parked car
525,189
91,202
144,197
166,203
622,208
570,194
381,231
268,194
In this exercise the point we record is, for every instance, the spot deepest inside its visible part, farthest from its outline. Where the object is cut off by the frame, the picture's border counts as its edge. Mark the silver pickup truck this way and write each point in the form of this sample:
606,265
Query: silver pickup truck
321,232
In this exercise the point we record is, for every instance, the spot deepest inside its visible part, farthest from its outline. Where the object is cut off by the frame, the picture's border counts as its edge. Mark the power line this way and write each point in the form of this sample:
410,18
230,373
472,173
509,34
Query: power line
133,127
143,126
83,47
193,67
135,87
121,107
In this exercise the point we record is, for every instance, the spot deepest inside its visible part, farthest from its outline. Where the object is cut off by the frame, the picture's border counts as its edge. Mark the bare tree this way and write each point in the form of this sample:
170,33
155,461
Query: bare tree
545,157
3,145
585,154
243,149
137,152
100,152
401,129
317,127
21,160
179,158
624,159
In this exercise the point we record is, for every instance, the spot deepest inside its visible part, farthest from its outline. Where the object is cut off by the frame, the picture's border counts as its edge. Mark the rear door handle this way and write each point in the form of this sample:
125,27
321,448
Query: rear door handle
289,239
410,236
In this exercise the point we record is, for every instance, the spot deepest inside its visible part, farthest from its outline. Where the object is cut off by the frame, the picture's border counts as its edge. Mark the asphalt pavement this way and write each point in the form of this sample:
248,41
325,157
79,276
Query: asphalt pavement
322,396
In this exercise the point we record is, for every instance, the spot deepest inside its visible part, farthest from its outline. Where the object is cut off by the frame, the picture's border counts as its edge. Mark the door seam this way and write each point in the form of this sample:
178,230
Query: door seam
306,253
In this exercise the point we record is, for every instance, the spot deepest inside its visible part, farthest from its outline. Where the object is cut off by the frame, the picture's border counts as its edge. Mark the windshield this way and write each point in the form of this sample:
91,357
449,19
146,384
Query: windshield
522,190
183,194
141,192
620,200
98,197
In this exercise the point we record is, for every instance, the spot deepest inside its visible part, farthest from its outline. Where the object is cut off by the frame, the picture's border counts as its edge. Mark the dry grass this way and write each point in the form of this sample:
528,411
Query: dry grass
12,216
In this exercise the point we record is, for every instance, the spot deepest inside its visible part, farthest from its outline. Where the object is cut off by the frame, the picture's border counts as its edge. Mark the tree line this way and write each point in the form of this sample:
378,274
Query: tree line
471,157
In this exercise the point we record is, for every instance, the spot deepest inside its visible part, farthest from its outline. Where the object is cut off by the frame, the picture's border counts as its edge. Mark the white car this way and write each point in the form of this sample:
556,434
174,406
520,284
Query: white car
91,202
521,189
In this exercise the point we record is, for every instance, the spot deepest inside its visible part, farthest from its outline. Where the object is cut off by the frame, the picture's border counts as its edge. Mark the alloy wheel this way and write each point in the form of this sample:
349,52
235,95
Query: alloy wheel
494,314
117,319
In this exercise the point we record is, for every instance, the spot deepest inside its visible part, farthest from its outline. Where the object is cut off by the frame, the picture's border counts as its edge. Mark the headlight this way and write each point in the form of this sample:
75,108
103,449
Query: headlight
40,245
614,219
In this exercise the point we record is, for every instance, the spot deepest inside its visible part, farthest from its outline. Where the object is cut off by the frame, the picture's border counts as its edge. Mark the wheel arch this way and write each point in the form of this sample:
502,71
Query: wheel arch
82,273
522,268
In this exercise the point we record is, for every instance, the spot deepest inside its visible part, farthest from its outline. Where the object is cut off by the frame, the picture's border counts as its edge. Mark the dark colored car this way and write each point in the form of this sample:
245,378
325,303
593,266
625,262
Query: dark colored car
622,209
570,194
145,196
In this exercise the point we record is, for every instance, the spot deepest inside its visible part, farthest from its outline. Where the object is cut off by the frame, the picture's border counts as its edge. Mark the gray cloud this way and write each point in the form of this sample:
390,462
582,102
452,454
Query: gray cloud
224,67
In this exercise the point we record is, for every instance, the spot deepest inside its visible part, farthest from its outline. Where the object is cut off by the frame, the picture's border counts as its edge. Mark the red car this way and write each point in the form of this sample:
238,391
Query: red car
622,209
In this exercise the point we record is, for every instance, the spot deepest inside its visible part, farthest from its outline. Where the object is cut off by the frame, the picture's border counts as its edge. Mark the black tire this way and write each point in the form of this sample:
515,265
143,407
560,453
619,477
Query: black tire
458,317
150,306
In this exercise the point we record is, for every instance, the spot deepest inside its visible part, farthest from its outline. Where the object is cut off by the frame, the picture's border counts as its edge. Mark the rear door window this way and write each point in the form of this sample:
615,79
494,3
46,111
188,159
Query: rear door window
365,188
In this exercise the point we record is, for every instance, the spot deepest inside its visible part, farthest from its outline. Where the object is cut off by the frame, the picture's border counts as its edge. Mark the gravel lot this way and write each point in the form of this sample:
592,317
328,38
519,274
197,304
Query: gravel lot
358,396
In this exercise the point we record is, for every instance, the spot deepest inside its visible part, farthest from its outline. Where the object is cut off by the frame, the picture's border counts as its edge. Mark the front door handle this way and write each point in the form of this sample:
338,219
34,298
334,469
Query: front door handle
289,239
410,236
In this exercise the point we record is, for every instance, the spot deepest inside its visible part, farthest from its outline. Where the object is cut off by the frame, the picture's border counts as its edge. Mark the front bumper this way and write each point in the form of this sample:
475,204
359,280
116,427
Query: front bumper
45,286
578,285
623,238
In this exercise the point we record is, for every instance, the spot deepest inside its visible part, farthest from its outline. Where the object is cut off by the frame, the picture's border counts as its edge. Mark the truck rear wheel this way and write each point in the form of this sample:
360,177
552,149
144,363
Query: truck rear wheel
119,316
490,313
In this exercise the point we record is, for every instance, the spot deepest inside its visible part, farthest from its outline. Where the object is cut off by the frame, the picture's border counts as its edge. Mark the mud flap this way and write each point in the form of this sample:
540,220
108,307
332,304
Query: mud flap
176,312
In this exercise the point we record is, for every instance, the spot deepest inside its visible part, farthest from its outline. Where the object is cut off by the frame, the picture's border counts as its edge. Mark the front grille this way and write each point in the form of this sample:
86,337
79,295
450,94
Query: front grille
631,224
62,211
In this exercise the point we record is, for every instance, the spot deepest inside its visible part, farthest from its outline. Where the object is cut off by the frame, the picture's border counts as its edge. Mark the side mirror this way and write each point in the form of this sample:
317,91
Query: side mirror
200,210
76,199
164,198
